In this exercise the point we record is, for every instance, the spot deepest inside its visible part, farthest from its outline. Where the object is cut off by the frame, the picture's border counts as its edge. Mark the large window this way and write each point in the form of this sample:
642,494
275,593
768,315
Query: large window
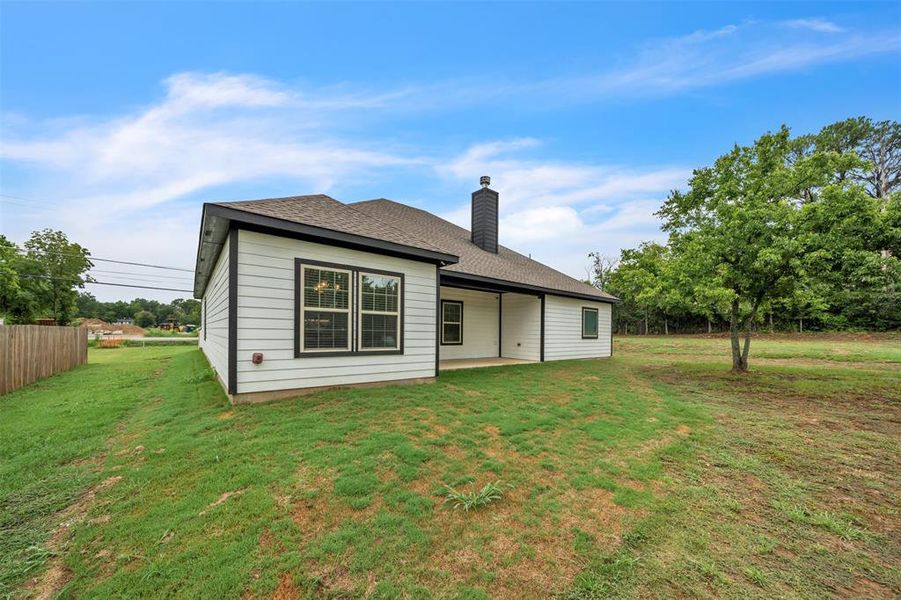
346,310
325,309
589,323
451,322
379,312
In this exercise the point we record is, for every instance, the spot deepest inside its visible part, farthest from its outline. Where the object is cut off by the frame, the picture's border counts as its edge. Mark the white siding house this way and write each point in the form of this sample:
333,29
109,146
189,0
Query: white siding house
306,293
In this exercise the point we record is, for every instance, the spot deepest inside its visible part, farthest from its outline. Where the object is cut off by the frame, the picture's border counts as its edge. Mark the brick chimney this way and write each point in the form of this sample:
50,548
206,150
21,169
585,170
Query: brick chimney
484,216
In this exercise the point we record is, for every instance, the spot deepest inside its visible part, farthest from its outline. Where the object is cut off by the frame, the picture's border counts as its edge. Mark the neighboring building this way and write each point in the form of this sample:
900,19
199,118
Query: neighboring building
307,292
124,321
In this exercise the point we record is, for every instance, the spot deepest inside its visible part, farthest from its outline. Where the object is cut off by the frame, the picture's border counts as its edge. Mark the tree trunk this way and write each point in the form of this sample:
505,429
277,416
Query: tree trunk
739,359
771,322
665,326
801,323
645,322
709,326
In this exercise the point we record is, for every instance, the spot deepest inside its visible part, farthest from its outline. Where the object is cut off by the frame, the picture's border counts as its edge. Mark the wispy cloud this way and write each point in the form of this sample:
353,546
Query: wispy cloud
736,52
814,24
221,131
580,206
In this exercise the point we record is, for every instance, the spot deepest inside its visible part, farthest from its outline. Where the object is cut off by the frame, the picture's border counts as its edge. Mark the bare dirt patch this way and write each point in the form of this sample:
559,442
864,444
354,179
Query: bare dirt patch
286,589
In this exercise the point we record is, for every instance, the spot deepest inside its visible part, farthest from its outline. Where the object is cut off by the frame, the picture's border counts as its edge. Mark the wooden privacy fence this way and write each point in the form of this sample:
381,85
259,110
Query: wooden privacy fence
30,352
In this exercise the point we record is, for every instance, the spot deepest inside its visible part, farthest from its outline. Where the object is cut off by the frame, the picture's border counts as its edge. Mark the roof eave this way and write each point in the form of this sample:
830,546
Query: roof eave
506,285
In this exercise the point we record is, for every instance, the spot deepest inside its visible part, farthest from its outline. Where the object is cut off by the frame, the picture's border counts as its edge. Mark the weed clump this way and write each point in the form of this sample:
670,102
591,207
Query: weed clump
471,499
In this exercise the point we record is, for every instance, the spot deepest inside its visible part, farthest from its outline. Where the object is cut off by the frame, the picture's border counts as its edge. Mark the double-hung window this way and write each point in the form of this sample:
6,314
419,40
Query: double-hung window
325,310
343,309
589,323
380,319
451,323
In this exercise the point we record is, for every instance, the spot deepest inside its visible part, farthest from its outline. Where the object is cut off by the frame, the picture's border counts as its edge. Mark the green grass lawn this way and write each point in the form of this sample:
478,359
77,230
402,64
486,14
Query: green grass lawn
655,473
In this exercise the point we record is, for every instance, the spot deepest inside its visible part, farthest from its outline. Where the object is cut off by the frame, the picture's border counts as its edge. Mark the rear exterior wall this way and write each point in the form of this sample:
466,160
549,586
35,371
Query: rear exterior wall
266,318
563,329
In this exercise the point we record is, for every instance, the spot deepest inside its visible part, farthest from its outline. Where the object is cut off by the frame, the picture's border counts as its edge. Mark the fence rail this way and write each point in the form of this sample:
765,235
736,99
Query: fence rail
30,352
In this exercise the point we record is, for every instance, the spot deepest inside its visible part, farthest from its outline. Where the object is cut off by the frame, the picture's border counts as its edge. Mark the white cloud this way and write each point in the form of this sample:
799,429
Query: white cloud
736,52
209,130
814,24
580,207
113,180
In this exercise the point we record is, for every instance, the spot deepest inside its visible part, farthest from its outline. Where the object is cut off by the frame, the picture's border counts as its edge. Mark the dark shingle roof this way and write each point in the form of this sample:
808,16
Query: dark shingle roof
323,211
388,221
506,265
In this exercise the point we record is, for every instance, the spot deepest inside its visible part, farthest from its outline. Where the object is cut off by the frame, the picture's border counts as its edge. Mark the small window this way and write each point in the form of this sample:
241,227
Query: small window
325,307
379,311
451,323
589,323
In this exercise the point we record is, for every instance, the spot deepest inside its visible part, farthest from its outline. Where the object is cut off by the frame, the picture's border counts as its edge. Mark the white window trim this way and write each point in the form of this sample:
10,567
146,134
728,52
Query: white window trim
303,308
361,312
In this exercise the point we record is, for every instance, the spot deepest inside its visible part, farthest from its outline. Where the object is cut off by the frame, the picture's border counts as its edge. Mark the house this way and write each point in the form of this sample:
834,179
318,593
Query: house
306,292
124,321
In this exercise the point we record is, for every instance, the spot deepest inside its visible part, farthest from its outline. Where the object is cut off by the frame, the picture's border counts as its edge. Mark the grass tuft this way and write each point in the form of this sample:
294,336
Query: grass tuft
471,499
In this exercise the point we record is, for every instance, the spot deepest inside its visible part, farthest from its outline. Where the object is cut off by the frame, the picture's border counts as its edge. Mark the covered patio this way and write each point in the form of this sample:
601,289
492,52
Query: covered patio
487,326
474,363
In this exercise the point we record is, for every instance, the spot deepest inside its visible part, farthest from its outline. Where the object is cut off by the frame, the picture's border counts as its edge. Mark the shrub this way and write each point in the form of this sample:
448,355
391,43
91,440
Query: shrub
471,499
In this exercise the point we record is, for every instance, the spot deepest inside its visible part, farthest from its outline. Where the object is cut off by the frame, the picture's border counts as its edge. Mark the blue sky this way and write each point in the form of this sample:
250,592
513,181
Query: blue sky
120,120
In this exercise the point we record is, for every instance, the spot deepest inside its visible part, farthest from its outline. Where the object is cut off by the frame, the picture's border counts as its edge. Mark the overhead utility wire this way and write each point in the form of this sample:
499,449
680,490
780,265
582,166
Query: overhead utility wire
145,287
178,277
121,262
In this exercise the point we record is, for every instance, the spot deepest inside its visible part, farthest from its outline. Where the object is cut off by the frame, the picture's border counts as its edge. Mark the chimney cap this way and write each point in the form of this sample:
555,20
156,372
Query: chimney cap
484,181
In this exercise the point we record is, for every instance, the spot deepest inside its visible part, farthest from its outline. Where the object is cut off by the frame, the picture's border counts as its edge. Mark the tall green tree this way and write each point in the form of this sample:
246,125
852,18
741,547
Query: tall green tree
53,269
636,282
10,288
738,226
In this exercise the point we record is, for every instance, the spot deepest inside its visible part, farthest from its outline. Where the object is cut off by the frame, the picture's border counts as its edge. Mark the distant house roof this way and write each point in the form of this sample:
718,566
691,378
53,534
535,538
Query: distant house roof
383,225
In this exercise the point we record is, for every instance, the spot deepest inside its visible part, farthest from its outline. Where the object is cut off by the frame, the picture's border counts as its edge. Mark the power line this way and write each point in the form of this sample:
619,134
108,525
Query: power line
110,260
15,197
178,277
144,279
137,264
144,287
